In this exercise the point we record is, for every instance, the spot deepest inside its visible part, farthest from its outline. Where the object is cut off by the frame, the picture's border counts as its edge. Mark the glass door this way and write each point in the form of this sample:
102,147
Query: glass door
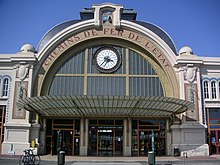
63,139
67,143
118,142
214,130
145,143
76,145
93,141
105,142
105,138
63,134
142,137
215,141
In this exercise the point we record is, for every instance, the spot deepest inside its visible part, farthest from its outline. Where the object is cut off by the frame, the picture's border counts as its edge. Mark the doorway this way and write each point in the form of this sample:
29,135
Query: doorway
215,141
106,138
214,130
66,141
145,143
63,134
142,131
105,142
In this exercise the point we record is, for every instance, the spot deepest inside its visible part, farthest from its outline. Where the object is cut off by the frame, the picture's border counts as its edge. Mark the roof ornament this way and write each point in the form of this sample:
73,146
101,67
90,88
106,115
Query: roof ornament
28,48
107,14
186,50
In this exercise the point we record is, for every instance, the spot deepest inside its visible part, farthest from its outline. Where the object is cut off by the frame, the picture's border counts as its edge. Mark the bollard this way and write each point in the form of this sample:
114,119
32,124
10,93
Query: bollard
151,158
185,158
61,158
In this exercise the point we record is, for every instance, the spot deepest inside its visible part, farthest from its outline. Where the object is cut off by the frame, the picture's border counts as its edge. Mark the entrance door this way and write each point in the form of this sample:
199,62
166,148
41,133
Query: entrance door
69,136
141,137
214,130
105,142
215,141
118,142
105,137
65,143
145,143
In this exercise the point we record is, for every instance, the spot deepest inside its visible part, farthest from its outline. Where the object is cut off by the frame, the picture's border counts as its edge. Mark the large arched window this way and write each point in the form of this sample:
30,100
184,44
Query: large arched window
213,89
206,89
79,75
5,86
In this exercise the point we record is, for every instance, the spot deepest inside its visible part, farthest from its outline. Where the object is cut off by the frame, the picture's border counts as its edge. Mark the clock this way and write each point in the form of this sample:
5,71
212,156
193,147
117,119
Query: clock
107,59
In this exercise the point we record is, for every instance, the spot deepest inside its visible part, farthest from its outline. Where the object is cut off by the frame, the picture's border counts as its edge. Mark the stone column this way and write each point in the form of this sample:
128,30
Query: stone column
83,136
129,136
86,136
127,130
168,138
198,95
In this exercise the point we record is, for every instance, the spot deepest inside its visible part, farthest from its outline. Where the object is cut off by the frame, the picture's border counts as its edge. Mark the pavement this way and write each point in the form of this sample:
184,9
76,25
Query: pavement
89,160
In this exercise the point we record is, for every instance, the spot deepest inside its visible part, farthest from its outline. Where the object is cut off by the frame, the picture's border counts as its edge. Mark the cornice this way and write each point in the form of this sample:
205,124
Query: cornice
24,57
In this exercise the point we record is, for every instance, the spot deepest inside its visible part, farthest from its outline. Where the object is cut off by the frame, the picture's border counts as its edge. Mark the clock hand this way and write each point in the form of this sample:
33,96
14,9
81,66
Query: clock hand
105,63
105,60
102,62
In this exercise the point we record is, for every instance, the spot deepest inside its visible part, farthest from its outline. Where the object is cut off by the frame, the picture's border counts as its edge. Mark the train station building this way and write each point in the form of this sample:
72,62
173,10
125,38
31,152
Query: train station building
105,83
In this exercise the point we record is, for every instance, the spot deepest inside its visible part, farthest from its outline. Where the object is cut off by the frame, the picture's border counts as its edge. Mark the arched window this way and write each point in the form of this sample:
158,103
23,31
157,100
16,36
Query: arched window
5,87
219,89
213,88
206,89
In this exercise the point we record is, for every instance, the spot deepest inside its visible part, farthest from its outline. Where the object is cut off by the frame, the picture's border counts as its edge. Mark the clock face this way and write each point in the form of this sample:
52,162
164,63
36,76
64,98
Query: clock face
107,59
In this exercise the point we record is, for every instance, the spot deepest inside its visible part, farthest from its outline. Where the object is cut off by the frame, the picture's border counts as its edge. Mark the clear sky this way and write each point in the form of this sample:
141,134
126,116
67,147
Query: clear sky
195,23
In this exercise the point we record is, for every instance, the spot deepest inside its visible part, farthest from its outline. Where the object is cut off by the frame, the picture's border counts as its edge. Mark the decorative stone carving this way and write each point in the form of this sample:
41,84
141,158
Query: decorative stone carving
23,70
190,73
20,93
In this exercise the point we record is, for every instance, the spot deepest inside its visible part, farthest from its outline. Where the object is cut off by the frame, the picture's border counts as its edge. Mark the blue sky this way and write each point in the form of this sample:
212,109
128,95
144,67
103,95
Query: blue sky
195,23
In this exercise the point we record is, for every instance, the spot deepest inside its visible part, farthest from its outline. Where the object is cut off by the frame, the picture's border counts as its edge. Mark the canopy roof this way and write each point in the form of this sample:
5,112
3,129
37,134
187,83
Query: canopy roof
105,106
